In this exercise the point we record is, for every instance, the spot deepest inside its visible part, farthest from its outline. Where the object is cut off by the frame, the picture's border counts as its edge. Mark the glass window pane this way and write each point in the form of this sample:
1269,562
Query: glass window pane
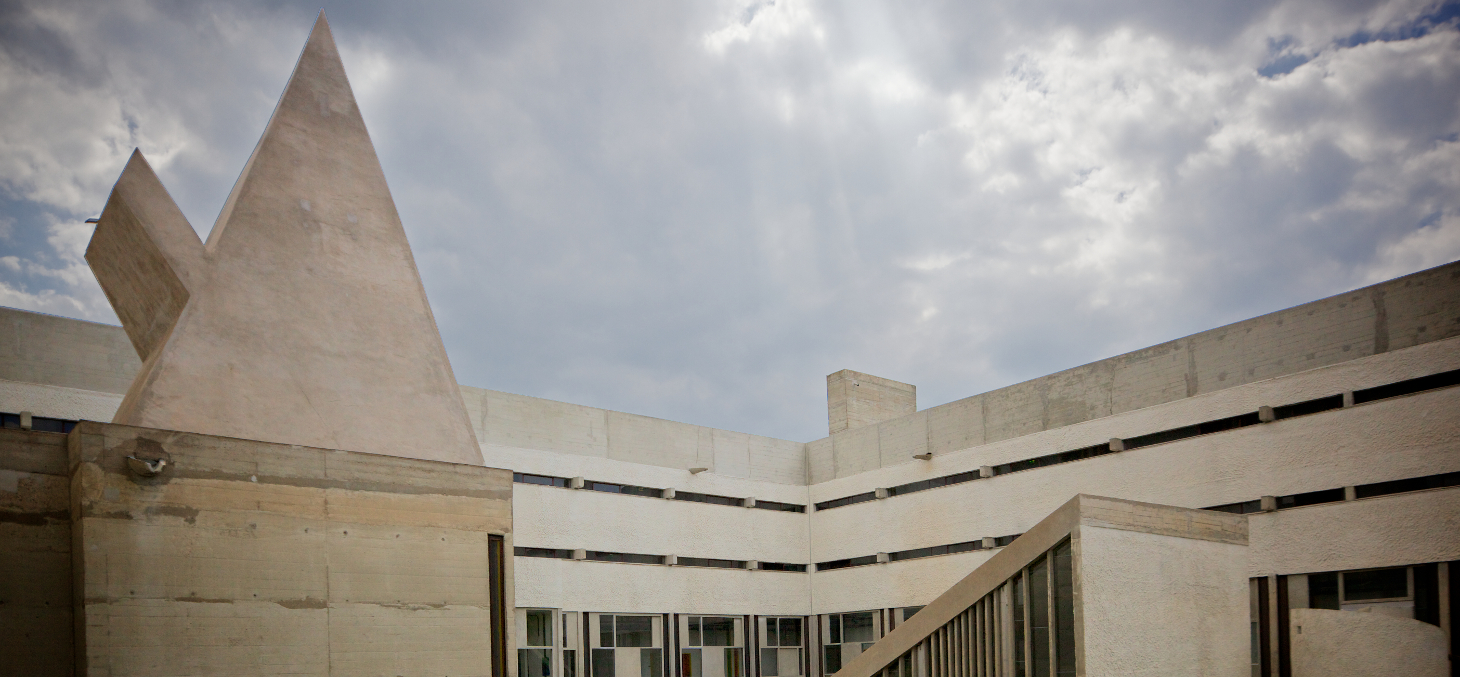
790,634
694,631
1323,591
570,663
768,666
1039,618
1019,666
634,631
690,662
651,661
1064,610
1378,584
834,632
718,631
734,663
534,662
539,627
770,632
832,659
605,632
602,662
857,627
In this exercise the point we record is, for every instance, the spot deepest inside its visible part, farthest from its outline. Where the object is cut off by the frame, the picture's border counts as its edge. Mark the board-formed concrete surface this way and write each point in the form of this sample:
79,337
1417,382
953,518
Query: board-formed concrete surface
35,555
255,558
1400,313
60,351
303,319
854,399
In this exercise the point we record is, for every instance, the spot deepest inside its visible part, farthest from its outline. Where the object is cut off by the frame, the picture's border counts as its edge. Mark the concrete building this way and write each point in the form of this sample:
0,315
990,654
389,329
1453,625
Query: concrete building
1279,496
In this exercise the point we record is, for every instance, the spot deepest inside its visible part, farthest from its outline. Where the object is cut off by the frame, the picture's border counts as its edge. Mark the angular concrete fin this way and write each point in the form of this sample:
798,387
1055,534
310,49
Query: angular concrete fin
311,326
145,255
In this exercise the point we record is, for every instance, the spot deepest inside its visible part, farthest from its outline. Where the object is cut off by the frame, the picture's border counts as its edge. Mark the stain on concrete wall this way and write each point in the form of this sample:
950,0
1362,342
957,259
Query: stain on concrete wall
35,555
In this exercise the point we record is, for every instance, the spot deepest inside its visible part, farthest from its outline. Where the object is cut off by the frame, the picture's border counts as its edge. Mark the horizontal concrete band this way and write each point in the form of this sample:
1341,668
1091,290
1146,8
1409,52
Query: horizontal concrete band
1095,511
207,457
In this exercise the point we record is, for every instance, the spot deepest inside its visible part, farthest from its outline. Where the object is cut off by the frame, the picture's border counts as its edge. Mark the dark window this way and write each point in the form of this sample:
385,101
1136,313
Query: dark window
783,507
534,662
1413,484
1039,617
651,663
713,564
38,423
846,500
1310,498
1019,667
633,631
1361,586
1427,593
626,557
924,485
629,489
1323,591
542,552
832,659
1064,611
707,498
932,551
539,627
1242,508
602,662
768,662
1053,459
570,663
545,480
857,627
781,566
789,632
718,631
1308,407
1204,428
844,563
1409,387
605,631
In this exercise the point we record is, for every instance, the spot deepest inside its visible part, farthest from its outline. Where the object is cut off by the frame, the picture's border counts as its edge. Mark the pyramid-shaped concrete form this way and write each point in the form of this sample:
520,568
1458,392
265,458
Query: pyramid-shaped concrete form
303,319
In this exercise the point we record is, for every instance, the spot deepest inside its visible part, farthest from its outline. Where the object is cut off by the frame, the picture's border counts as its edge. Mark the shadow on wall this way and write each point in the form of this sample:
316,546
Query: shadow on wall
1364,644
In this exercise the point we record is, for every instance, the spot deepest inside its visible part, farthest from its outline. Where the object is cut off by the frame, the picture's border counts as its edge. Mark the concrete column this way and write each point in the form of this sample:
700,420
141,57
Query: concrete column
1349,493
1117,444
880,492
26,420
1348,398
985,471
1265,414
988,543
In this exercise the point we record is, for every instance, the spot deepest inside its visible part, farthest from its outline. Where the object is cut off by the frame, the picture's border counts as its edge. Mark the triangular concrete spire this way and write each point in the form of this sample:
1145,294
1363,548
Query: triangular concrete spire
304,320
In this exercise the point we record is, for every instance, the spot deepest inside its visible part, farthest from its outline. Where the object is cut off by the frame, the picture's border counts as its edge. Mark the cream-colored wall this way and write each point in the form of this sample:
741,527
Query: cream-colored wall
49,401
1154,605
1404,312
646,588
1365,645
40,348
1385,531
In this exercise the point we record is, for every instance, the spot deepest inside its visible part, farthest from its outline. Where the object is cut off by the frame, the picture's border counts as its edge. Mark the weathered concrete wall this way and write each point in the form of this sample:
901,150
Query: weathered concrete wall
267,559
40,348
1156,605
854,399
35,555
1400,313
507,420
1356,644
71,404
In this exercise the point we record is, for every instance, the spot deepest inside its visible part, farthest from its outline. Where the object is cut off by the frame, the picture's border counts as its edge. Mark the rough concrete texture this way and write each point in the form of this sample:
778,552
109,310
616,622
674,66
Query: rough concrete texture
35,555
1153,605
1384,531
255,558
303,319
518,421
1400,313
654,589
1353,644
854,399
60,351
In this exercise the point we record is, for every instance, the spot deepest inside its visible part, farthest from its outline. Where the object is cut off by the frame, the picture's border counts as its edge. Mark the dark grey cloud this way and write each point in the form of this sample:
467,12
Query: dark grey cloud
698,210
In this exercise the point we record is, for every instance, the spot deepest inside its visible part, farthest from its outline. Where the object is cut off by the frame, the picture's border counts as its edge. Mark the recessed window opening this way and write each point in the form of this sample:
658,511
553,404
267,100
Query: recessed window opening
1408,387
627,645
1309,407
781,653
782,566
847,635
782,507
1001,541
712,563
555,553
846,563
707,498
535,650
712,646
934,551
1441,481
1310,498
846,500
545,480
934,483
38,423
629,489
1242,508
624,557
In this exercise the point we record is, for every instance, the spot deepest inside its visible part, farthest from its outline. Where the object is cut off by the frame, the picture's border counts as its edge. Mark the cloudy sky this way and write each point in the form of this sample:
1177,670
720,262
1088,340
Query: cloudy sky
698,209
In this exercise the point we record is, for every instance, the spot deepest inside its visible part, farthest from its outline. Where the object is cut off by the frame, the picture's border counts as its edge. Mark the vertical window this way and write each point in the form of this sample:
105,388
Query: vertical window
1039,617
1323,591
717,631
834,629
651,661
1020,670
768,667
734,662
694,631
832,660
691,662
789,632
857,627
603,663
539,627
1064,610
1377,584
605,631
